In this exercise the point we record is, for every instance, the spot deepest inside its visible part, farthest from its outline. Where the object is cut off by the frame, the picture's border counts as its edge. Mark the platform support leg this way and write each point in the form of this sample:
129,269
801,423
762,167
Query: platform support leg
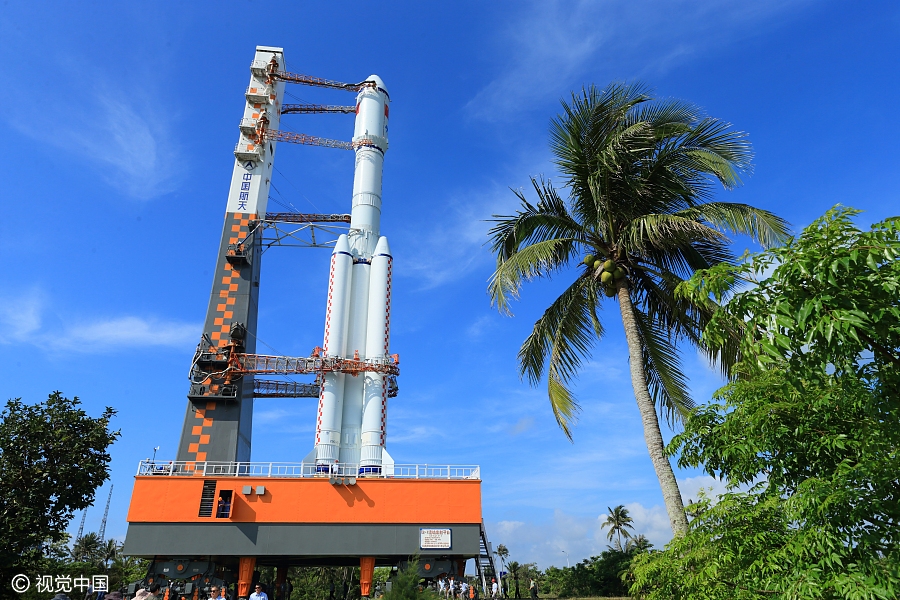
461,569
245,575
282,592
366,571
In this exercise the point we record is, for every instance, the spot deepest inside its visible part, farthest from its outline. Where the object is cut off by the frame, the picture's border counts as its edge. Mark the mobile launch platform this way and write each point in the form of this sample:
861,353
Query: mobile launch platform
212,517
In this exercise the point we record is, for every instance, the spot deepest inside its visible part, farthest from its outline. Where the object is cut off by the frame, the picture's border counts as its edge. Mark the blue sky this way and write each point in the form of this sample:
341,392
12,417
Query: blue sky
123,118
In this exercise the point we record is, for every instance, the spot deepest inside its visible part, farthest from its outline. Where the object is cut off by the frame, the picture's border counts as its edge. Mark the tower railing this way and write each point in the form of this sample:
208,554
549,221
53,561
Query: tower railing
303,469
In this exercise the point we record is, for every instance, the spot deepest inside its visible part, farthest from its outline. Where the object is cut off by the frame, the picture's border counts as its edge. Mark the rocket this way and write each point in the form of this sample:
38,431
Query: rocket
351,419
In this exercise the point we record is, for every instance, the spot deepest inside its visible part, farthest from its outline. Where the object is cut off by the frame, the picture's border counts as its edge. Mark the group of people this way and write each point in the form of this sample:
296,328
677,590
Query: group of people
451,588
448,587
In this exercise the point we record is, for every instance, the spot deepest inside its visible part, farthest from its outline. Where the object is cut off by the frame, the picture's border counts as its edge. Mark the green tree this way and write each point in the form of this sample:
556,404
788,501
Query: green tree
640,176
88,549
638,543
515,569
109,551
53,457
619,522
810,425
597,576
126,569
405,585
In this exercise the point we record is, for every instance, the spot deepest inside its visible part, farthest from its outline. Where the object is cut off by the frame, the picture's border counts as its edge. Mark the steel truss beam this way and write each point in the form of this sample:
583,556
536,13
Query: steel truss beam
268,388
262,364
288,109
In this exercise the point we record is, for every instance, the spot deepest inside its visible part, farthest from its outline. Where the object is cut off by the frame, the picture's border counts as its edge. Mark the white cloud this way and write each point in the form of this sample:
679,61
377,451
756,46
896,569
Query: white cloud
132,146
522,425
583,536
554,45
451,248
481,326
20,316
265,417
652,522
106,334
401,434
21,321
549,542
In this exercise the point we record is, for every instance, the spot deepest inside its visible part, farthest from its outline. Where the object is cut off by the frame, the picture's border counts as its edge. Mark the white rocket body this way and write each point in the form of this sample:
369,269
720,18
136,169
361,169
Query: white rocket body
352,410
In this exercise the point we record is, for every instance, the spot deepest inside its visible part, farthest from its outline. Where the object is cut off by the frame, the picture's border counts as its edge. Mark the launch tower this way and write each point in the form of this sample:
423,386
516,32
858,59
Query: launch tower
212,516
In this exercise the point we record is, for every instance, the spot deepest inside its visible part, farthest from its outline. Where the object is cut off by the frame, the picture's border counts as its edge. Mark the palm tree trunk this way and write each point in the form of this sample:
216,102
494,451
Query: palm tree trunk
652,434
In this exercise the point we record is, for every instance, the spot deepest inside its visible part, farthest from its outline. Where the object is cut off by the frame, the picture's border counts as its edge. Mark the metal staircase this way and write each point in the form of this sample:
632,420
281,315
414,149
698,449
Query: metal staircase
484,563
207,498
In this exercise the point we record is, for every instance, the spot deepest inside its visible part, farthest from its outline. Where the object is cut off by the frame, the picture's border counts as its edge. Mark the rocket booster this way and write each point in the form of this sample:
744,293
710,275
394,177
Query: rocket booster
352,410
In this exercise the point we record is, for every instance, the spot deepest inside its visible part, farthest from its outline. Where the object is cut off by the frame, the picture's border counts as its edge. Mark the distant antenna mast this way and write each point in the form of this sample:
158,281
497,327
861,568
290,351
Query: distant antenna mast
81,527
105,514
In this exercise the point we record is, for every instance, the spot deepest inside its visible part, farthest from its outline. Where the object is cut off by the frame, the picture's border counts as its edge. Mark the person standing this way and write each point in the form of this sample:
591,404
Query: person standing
532,589
442,585
463,589
259,594
495,589
148,594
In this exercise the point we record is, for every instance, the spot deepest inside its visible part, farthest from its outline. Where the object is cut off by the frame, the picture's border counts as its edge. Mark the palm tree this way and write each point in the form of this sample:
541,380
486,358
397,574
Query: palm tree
619,522
503,553
514,570
638,543
640,176
109,551
88,549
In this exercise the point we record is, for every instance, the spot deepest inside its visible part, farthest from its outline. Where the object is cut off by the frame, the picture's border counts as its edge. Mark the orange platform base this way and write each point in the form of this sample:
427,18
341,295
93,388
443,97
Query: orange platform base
307,500
303,520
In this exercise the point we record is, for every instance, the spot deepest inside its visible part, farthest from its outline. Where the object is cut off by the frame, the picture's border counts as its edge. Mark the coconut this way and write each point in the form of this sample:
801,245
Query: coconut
609,265
605,277
597,264
619,273
589,259
610,291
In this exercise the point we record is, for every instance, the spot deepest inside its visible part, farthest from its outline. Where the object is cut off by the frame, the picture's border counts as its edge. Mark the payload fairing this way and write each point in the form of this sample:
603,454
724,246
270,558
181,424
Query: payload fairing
350,425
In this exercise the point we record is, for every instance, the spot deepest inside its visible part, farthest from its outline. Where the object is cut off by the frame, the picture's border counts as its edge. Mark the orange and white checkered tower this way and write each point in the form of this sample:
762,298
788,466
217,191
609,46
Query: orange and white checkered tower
217,424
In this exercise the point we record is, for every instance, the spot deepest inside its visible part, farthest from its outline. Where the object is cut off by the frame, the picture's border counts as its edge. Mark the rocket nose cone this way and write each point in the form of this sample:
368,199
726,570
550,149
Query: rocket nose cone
342,245
382,247
378,82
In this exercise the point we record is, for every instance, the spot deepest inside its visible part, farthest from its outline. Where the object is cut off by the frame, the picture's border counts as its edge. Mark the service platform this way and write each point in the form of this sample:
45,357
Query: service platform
290,513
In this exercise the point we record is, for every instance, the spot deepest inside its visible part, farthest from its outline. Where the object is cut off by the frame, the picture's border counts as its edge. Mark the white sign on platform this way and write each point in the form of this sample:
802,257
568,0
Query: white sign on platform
434,539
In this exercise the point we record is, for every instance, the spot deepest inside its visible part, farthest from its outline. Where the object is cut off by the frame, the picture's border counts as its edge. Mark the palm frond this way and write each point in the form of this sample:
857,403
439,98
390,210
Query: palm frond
662,365
562,402
537,260
716,136
667,117
684,259
664,231
654,294
546,220
558,343
763,226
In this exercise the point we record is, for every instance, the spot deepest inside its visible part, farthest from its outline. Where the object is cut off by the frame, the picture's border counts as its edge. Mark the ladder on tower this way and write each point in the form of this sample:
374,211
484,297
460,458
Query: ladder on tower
484,563
81,527
207,498
105,515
